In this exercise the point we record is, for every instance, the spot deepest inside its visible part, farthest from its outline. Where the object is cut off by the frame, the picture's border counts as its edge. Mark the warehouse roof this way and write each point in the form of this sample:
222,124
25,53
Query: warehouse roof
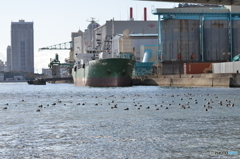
218,2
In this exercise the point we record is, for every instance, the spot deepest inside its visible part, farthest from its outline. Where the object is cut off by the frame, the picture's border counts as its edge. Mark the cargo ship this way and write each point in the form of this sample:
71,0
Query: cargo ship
101,63
99,70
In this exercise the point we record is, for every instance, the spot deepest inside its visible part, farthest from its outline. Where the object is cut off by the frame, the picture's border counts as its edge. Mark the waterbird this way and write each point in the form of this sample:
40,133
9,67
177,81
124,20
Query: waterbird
5,108
166,108
126,109
183,107
38,110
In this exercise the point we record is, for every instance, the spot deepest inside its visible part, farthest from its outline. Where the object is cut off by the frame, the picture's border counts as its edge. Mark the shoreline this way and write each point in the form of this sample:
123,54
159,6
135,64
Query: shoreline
12,81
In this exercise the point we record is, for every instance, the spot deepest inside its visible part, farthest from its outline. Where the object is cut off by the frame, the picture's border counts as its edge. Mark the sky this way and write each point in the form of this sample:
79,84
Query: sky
54,20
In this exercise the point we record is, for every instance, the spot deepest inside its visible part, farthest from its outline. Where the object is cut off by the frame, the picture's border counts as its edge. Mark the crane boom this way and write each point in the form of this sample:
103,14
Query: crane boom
61,46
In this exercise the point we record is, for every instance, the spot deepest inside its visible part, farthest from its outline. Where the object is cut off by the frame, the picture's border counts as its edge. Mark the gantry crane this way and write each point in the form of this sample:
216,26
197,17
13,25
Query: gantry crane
55,63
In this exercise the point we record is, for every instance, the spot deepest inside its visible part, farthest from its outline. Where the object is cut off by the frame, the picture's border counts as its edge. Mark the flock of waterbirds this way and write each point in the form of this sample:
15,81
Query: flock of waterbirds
162,101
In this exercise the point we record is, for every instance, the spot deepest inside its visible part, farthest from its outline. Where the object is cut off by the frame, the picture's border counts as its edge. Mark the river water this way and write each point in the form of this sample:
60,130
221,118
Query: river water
65,121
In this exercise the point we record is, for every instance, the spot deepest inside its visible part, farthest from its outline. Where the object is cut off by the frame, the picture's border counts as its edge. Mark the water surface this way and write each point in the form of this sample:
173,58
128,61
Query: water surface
65,121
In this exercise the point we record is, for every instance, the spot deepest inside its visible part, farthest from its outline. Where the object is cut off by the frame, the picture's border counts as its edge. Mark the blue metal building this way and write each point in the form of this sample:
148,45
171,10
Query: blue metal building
198,34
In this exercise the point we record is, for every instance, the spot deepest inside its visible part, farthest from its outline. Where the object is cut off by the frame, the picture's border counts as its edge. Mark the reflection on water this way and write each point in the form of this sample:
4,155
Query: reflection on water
64,121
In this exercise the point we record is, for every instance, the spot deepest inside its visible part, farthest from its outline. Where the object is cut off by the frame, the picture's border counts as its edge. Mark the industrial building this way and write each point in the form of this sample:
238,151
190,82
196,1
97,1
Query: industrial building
135,42
101,38
208,2
22,46
112,28
196,35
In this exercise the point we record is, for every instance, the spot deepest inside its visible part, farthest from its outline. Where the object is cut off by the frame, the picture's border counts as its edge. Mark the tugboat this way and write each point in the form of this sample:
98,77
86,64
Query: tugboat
37,82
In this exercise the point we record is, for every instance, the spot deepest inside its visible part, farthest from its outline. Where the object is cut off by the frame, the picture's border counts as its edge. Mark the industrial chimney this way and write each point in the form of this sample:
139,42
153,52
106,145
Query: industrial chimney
131,14
145,14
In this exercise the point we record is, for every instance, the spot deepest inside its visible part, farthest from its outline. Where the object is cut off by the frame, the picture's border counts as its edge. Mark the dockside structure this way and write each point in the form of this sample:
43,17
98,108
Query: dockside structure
198,34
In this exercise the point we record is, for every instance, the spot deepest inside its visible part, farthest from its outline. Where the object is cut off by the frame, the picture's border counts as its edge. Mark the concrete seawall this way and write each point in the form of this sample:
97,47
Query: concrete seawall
193,80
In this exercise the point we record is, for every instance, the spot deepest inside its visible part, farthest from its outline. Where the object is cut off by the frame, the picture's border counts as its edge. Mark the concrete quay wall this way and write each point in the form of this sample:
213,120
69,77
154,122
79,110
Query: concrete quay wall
200,80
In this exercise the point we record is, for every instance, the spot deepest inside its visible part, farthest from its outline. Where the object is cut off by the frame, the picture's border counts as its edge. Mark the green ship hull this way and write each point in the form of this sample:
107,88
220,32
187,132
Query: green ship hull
111,72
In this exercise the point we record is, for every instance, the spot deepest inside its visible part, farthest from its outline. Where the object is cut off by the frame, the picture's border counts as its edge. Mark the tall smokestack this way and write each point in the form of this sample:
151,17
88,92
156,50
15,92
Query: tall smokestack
145,14
131,13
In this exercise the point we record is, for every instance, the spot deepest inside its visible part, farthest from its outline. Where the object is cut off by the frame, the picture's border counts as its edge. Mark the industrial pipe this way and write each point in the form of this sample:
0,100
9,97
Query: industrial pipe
147,55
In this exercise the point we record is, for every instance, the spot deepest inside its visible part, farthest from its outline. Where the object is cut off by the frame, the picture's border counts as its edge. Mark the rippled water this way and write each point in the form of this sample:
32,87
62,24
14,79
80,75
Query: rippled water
80,122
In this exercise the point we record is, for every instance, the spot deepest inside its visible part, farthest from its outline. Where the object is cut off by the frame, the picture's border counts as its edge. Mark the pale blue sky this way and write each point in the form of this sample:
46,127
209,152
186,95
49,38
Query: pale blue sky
54,20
